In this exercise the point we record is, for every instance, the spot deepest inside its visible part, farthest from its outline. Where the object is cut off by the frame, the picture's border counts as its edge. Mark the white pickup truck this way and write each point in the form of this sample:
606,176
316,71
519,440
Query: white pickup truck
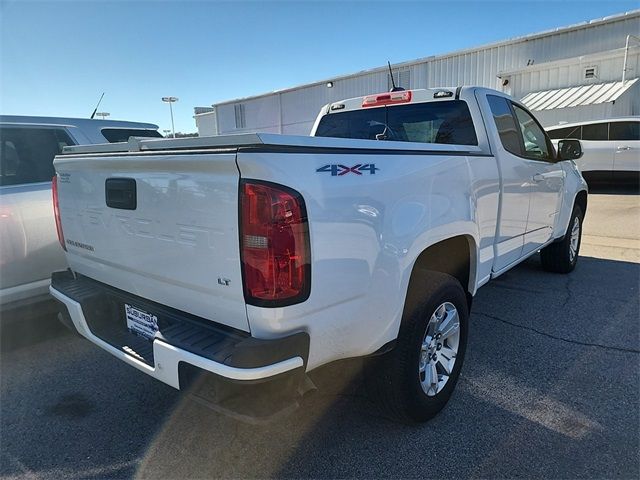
253,259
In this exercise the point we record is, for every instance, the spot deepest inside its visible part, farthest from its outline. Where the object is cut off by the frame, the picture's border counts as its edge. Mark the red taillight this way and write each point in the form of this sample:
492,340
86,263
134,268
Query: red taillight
56,211
387,98
274,244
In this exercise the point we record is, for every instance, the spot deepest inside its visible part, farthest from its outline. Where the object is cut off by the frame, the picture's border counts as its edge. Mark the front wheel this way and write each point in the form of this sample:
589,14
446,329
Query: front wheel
416,379
562,256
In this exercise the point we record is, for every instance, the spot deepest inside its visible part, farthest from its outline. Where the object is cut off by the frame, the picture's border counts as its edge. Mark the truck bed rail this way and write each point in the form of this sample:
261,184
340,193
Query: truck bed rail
249,140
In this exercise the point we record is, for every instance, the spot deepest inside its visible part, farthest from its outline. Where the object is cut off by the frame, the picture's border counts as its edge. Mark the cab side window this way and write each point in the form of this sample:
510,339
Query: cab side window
26,154
505,123
533,136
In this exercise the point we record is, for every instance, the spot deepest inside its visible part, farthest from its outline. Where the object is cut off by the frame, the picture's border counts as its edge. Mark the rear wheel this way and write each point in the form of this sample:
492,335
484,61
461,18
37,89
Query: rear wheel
414,381
562,256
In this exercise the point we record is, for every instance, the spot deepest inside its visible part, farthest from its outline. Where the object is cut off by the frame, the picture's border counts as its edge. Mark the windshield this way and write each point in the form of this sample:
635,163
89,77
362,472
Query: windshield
432,122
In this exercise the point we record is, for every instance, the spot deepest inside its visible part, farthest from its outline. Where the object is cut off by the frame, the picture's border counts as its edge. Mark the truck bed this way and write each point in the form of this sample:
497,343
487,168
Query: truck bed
266,140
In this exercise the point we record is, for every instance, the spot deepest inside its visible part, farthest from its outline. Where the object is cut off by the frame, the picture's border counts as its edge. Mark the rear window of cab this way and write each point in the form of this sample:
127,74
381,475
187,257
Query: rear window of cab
446,122
115,135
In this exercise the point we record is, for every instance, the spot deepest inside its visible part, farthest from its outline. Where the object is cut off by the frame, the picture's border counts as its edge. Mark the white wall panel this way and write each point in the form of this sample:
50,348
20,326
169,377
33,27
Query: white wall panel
206,124
302,128
549,118
571,72
294,110
260,114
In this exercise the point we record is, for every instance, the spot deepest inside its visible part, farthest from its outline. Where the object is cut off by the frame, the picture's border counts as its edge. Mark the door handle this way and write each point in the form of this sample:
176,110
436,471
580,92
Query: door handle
623,147
541,177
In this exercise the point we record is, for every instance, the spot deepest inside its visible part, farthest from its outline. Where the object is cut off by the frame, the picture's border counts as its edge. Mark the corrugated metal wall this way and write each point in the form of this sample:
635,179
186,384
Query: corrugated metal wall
481,67
572,72
294,111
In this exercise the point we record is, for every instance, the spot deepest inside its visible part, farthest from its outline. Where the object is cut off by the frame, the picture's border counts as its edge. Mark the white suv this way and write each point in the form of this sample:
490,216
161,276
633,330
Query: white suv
611,148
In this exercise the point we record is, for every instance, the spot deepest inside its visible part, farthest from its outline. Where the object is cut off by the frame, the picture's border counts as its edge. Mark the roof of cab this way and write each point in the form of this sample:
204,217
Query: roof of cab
74,122
418,95
84,130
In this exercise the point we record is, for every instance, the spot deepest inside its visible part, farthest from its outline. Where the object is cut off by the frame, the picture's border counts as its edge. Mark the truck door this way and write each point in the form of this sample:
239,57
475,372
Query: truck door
546,177
515,173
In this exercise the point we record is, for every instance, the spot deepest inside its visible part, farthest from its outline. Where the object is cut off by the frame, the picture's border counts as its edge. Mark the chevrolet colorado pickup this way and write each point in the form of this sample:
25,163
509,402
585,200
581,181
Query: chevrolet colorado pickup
253,259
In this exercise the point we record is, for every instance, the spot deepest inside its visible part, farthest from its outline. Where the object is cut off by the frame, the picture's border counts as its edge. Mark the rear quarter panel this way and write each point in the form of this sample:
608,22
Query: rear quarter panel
366,233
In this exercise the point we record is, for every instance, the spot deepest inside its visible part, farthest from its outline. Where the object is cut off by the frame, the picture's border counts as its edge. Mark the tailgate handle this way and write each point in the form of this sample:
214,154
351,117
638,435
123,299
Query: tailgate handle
121,193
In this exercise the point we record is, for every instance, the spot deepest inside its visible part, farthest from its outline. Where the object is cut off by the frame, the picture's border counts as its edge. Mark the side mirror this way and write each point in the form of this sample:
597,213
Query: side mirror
569,149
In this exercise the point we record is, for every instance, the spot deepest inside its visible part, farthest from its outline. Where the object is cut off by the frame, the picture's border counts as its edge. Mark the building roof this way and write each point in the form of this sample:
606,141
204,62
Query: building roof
201,110
577,96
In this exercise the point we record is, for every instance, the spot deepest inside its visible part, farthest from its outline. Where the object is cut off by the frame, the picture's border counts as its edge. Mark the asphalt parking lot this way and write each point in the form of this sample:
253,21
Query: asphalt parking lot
550,388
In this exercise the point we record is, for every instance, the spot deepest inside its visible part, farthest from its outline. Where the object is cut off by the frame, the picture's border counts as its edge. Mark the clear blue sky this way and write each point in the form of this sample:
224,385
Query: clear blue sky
57,57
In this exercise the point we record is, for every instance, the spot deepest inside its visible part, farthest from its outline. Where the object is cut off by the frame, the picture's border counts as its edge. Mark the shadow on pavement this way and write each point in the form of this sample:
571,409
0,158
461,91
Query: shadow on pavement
27,326
515,412
550,388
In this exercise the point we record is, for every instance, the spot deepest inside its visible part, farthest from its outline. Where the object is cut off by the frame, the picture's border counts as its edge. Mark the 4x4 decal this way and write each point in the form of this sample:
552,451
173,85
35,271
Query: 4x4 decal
339,170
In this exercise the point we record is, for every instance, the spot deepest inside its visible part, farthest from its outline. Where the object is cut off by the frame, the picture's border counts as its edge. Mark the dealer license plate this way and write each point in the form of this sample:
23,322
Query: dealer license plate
141,322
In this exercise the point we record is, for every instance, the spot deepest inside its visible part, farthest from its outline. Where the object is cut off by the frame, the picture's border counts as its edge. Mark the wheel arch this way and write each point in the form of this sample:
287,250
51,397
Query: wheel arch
581,201
455,256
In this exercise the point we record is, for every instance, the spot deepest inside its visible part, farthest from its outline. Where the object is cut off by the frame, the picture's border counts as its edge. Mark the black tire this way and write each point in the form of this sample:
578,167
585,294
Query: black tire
557,257
393,378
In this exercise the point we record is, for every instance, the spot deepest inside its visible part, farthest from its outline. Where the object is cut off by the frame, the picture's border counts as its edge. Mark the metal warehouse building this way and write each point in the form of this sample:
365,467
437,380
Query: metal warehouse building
581,72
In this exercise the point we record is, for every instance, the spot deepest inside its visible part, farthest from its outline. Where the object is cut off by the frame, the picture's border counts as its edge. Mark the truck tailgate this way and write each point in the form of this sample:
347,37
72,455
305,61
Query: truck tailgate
163,227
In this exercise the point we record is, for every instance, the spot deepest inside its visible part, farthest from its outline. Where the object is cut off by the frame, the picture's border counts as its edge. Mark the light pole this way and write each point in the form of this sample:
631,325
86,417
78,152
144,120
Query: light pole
103,114
170,100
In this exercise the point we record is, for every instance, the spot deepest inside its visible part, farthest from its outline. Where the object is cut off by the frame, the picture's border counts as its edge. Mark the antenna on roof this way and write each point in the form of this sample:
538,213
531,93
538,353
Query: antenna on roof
96,109
393,83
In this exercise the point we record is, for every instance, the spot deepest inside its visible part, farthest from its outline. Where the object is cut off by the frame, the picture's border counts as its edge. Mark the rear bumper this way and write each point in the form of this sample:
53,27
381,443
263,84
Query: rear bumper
182,341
